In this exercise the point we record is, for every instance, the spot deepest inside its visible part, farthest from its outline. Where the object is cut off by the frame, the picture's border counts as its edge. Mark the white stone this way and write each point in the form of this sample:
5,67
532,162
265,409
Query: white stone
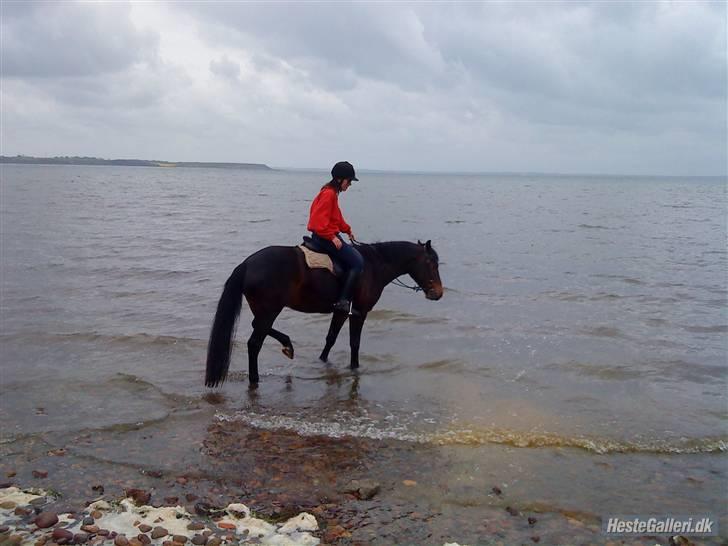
100,505
301,522
238,510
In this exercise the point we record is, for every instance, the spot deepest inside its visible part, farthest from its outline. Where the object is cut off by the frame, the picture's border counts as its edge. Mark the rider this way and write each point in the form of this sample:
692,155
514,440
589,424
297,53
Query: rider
326,221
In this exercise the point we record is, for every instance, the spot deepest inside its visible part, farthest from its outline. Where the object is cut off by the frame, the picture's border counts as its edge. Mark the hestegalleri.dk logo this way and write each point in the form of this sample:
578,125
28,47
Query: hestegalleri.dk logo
701,525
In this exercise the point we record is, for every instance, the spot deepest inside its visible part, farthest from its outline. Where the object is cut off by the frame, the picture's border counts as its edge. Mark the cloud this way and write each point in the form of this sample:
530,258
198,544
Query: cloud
225,68
599,87
49,39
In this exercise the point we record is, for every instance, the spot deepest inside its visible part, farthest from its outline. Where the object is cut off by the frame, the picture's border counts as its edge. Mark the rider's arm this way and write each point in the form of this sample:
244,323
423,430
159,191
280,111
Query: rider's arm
320,219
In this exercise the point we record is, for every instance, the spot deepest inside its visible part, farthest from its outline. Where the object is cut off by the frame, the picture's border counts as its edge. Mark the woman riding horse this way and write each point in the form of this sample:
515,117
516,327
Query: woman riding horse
326,221
276,277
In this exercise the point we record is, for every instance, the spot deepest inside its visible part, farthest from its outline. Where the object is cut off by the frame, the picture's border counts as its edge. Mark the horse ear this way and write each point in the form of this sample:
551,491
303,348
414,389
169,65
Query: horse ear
428,246
419,242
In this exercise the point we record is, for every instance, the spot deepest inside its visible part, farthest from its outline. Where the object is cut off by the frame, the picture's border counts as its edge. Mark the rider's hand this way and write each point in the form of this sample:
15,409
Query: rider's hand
337,243
352,238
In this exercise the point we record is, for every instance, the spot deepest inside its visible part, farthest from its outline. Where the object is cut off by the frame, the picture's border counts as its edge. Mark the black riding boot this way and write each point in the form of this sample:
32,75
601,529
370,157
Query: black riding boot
344,303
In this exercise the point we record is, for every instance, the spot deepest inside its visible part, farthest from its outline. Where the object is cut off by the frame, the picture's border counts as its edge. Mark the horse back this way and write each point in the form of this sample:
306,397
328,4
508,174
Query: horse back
279,276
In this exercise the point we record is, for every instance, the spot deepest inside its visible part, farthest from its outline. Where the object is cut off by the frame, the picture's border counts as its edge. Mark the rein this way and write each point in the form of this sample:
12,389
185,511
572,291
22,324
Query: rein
400,283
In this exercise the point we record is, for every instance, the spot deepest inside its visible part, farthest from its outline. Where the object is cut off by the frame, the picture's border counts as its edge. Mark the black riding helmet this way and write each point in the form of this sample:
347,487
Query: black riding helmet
343,169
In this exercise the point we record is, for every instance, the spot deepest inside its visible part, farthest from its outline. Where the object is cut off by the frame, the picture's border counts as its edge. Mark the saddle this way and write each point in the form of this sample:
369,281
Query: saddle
317,258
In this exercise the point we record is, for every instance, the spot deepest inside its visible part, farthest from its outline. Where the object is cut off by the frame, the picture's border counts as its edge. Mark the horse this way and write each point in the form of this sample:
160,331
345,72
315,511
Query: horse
277,276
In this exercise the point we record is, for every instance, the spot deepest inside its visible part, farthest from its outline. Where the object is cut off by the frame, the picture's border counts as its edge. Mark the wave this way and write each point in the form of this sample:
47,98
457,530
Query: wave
589,226
135,339
400,316
604,331
366,427
718,329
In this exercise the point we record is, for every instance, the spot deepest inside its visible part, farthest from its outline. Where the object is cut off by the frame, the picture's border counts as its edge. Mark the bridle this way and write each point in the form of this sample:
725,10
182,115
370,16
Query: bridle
400,283
397,282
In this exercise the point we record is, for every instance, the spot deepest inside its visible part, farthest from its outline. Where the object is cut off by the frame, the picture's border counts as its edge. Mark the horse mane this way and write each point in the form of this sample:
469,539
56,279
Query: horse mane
386,251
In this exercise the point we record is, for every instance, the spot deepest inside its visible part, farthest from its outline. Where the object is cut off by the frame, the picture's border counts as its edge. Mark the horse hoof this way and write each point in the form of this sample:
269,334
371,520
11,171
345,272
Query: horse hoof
288,351
324,359
354,366
253,386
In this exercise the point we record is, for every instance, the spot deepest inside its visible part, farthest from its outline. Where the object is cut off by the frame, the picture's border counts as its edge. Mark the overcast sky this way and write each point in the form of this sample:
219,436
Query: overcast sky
600,87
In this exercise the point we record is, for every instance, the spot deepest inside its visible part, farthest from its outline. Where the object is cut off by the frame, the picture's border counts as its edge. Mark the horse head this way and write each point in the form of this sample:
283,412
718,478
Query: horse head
425,271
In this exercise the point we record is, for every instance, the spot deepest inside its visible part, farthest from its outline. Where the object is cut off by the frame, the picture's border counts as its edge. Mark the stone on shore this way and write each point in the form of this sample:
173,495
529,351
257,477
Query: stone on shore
46,519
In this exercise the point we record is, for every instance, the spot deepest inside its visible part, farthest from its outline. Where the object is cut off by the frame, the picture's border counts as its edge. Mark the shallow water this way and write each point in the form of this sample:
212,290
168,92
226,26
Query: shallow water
578,356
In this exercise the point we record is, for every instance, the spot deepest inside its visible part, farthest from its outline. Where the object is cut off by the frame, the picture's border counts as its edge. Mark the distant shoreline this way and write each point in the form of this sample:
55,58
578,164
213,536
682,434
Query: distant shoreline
75,160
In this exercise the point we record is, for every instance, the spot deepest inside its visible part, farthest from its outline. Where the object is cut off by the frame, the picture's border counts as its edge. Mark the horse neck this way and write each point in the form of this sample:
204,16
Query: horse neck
394,258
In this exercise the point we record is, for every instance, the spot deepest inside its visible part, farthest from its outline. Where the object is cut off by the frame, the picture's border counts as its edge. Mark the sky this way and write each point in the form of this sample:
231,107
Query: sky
561,87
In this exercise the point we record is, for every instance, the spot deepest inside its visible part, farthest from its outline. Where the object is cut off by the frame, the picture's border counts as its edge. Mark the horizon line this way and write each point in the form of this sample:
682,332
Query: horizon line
381,171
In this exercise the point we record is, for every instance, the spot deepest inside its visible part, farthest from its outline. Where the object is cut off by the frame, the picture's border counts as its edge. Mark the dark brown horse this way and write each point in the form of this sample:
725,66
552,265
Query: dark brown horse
277,277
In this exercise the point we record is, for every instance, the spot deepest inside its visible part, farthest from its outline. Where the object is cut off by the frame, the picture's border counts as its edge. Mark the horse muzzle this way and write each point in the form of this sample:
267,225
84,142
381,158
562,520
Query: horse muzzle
434,293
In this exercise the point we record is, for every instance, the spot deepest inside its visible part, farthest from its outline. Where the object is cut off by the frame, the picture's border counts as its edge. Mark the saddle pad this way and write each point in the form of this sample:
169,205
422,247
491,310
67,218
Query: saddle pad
316,260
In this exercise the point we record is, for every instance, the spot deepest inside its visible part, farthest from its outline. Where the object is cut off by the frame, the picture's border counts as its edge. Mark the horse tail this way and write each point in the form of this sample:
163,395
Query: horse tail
220,345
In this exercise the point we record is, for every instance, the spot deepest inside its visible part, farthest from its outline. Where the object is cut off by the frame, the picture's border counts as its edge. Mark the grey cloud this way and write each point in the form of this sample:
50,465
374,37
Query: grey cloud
584,60
474,86
57,39
225,68
387,44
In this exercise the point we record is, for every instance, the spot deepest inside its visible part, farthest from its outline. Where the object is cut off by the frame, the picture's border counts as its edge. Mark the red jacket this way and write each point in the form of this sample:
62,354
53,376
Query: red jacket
325,219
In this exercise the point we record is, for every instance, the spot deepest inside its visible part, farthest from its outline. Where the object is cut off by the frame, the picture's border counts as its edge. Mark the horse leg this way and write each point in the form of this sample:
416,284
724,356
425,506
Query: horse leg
262,324
356,322
284,340
337,321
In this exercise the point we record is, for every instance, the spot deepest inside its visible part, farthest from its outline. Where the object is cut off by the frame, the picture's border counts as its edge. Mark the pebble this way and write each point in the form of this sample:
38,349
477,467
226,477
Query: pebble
62,534
40,473
88,520
179,538
135,542
334,533
199,540
4,528
105,532
121,540
532,521
7,505
214,541
96,514
93,529
536,538
144,528
195,526
10,474
46,519
140,496
159,532
511,511
13,539
497,490
409,483
226,525
144,539
80,538
20,511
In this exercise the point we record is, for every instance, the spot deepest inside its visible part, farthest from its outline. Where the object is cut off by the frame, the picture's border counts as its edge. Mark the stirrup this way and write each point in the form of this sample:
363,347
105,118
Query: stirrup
345,306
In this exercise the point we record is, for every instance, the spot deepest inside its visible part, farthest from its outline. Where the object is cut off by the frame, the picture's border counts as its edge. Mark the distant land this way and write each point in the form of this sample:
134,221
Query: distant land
75,160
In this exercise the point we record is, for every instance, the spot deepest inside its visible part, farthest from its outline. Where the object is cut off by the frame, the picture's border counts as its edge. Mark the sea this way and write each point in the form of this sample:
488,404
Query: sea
577,357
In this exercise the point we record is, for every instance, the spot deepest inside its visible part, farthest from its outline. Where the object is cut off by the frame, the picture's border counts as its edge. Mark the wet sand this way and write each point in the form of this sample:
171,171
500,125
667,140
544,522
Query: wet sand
361,491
